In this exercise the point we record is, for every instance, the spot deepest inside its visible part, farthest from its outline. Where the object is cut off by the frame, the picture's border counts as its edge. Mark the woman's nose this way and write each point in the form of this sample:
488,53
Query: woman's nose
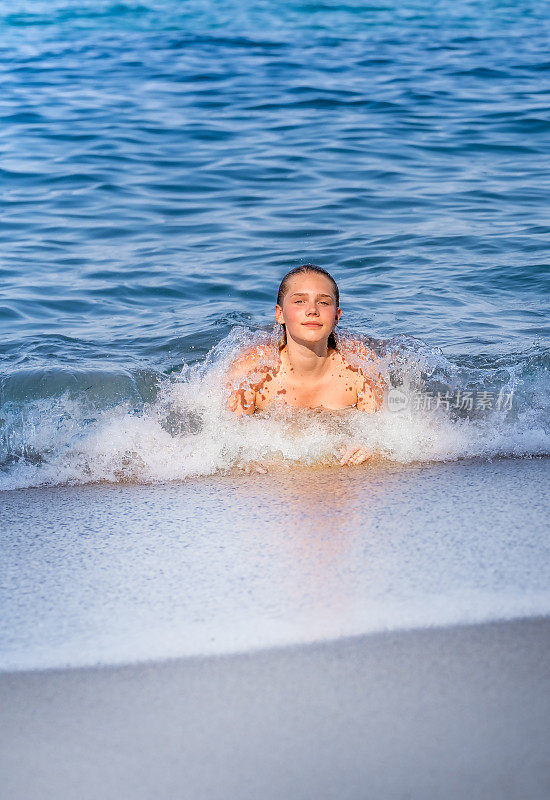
312,309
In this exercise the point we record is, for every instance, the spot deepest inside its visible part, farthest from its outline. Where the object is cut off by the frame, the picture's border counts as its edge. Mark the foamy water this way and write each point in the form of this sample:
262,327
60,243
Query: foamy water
112,574
164,164
88,426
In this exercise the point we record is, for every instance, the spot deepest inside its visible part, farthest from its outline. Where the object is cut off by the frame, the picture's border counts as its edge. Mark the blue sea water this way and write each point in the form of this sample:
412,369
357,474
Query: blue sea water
164,163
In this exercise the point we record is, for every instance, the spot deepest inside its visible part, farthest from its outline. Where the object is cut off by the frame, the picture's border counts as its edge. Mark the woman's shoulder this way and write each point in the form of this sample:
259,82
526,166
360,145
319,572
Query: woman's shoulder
362,360
367,370
356,354
350,347
252,358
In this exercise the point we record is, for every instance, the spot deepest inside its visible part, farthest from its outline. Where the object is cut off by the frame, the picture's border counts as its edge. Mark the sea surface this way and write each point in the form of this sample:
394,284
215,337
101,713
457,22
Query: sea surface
164,163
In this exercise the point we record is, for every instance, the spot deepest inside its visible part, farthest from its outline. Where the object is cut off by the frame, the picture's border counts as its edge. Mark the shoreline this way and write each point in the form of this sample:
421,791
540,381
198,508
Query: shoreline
276,648
124,574
377,466
444,712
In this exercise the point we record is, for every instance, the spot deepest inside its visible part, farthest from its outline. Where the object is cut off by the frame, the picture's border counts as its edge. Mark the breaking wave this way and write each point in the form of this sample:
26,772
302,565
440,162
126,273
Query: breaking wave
70,426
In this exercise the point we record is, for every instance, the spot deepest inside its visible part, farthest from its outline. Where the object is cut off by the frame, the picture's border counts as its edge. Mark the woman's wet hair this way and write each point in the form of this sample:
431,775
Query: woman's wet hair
283,288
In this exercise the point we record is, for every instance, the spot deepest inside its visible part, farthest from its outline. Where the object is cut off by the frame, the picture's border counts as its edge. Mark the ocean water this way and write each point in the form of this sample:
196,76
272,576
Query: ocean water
163,164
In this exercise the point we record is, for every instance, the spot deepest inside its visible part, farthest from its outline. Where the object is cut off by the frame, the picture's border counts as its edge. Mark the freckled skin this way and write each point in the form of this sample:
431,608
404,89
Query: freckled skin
325,379
337,389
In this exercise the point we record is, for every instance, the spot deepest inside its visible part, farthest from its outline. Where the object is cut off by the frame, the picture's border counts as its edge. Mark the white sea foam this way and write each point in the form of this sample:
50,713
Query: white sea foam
112,574
103,432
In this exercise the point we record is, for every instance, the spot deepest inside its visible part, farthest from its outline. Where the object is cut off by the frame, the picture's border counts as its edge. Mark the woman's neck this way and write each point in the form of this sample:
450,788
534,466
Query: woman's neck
307,361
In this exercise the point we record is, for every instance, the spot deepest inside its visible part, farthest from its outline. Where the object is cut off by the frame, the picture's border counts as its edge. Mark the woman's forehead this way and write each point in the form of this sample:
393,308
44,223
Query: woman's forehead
310,282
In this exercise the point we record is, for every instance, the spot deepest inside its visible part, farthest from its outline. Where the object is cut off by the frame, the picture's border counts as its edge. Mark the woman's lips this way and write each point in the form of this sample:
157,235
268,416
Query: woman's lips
313,324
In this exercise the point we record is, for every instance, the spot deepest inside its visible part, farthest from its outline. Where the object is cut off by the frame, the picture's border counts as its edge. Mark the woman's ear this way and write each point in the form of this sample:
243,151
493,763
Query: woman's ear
338,315
279,315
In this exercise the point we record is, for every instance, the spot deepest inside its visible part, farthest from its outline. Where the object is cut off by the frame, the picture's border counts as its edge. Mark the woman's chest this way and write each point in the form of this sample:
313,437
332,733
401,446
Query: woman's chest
334,392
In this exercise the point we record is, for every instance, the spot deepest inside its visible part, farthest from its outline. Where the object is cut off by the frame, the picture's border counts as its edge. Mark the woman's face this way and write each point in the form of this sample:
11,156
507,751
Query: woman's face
309,308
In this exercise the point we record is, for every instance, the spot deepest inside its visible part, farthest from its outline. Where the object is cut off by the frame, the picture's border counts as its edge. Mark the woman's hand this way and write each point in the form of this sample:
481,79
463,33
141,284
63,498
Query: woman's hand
253,467
354,455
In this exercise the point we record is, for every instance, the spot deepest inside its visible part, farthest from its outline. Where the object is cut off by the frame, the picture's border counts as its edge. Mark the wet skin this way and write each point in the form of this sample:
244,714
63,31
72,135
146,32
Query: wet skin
340,386
306,373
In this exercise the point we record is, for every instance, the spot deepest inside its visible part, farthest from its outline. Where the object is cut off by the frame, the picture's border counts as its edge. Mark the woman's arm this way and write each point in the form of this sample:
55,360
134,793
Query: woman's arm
370,393
244,380
369,383
242,399
242,396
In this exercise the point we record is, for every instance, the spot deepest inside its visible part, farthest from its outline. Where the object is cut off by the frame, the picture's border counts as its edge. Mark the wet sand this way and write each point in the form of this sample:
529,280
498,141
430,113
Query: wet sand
350,595
120,573
444,713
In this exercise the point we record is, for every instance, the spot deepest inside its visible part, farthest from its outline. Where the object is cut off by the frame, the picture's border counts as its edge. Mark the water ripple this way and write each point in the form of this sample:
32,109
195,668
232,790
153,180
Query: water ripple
164,163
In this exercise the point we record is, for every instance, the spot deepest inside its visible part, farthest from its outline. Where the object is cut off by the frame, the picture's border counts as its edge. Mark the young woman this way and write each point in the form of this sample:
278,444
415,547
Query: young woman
310,371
